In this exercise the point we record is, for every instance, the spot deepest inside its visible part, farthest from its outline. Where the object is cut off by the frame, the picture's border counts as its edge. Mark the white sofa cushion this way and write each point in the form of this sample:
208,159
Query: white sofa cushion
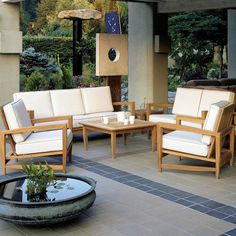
187,102
212,96
212,119
99,115
38,101
97,99
166,118
17,117
67,102
43,142
186,142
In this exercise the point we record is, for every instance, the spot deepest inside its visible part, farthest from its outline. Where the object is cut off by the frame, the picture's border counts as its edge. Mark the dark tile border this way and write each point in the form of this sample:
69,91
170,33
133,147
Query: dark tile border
193,201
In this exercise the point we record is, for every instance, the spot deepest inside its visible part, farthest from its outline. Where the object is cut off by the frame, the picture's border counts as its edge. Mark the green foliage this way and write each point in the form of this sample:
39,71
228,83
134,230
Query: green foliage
59,48
38,178
87,47
35,82
174,82
194,35
31,60
67,77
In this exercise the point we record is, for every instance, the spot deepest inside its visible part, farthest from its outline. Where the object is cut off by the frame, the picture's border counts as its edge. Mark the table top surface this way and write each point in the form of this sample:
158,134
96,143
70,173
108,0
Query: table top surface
114,125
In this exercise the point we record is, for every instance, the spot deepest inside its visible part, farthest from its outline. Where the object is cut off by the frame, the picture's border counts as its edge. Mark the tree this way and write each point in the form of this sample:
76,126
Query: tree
194,36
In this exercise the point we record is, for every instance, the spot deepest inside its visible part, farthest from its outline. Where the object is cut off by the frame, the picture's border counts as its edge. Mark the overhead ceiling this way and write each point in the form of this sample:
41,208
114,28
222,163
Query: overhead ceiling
171,6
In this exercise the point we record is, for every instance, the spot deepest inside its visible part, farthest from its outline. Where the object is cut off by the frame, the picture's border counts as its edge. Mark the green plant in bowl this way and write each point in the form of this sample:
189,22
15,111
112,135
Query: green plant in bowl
39,177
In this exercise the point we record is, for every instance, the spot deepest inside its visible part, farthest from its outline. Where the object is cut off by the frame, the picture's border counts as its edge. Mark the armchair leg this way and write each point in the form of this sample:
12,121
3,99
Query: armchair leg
218,153
3,153
70,154
232,140
64,159
159,148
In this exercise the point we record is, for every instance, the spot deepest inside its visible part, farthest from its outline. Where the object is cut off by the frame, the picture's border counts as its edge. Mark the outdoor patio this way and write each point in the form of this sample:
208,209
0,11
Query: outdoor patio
133,198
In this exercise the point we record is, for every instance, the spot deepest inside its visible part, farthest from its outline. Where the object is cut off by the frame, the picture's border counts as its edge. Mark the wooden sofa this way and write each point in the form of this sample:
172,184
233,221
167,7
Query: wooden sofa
190,106
81,104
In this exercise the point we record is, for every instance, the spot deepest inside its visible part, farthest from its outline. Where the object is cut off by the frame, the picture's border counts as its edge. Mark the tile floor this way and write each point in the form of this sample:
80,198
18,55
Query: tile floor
134,199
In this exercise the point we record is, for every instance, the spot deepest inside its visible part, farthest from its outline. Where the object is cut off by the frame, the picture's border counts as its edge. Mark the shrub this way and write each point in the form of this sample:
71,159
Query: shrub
31,60
36,81
59,48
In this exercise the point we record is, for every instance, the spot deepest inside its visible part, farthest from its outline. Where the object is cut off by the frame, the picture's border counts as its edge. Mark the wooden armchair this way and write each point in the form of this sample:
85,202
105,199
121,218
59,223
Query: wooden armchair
159,107
28,141
204,144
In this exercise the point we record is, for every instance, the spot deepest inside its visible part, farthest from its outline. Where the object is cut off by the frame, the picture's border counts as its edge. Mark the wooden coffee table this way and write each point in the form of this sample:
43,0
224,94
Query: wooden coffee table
114,127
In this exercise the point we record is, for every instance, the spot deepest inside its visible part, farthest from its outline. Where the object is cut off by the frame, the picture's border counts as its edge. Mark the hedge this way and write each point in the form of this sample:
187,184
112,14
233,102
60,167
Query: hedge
57,47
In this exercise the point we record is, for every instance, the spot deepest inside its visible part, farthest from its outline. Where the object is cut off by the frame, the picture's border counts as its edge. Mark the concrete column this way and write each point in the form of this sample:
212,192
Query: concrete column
10,47
147,69
140,51
231,43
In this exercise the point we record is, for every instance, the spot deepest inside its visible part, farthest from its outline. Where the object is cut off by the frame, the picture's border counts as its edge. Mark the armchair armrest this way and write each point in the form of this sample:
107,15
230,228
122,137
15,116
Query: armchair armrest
130,104
172,127
55,118
200,120
31,114
234,118
34,129
162,106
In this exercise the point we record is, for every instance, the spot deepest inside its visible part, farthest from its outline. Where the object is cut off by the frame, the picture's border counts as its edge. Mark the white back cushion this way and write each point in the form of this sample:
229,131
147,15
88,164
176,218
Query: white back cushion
97,99
187,102
212,119
17,117
67,102
212,96
38,101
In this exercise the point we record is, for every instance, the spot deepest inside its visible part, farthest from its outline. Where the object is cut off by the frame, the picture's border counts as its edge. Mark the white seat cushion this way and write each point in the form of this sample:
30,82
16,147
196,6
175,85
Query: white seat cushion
17,117
186,142
97,99
212,119
166,118
38,101
187,102
67,102
43,142
212,96
77,119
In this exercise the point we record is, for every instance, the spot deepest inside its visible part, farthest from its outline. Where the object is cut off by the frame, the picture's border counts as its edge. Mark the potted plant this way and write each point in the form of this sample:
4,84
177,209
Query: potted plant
39,177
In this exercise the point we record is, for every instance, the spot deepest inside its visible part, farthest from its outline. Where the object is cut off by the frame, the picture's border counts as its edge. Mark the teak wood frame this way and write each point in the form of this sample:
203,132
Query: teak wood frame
217,155
113,131
159,106
7,135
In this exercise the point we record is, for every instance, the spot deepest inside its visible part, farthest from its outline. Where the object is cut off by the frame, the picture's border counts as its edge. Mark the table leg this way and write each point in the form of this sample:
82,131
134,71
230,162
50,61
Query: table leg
113,145
154,138
85,138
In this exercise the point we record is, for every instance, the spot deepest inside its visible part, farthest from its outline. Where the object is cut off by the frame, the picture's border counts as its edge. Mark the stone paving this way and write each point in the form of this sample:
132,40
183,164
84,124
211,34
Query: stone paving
133,198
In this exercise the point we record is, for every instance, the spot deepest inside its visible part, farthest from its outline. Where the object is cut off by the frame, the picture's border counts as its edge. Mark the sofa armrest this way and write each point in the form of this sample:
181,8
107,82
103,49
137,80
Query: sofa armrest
130,104
55,118
150,106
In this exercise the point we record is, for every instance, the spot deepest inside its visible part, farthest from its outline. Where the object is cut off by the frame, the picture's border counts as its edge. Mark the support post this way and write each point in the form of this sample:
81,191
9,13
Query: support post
77,56
231,43
115,85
